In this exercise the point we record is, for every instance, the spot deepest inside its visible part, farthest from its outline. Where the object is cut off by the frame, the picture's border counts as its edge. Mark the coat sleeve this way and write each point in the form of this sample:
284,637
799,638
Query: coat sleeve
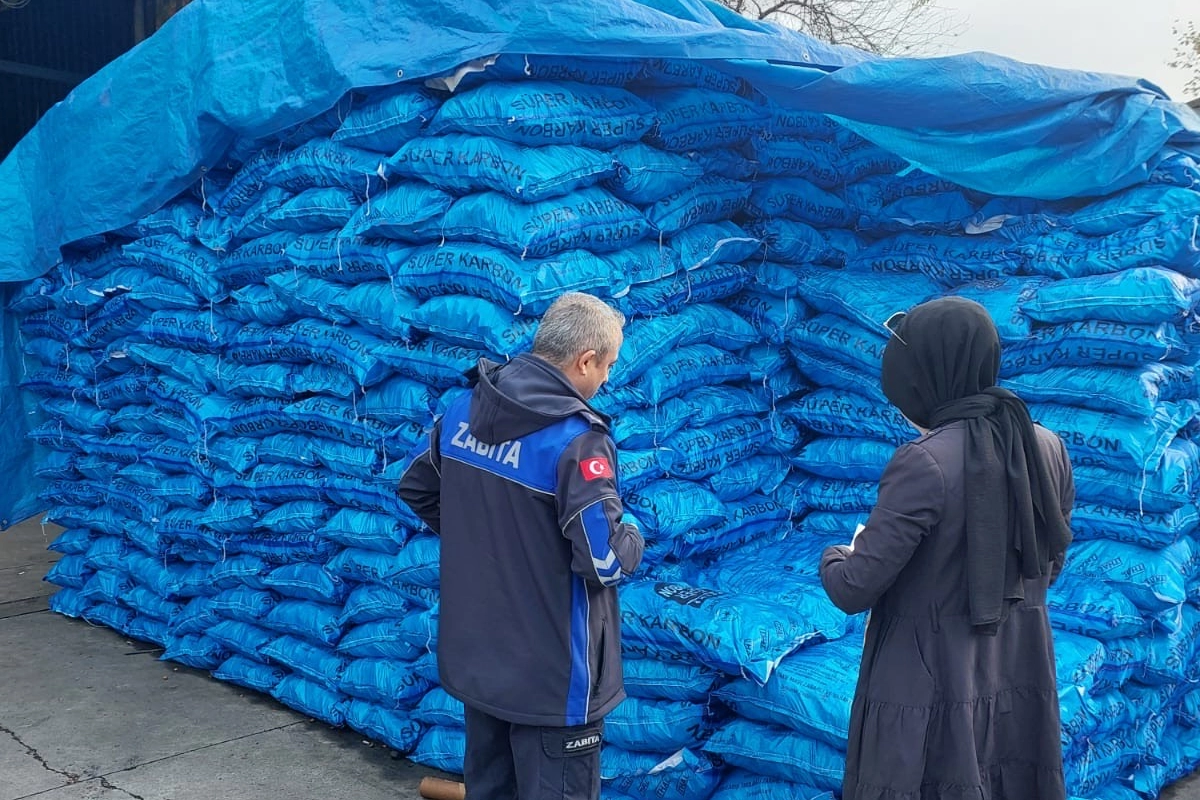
605,547
911,496
421,483
1067,499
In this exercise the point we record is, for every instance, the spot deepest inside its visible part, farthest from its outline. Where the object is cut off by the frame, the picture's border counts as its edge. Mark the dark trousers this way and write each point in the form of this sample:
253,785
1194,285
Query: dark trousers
506,761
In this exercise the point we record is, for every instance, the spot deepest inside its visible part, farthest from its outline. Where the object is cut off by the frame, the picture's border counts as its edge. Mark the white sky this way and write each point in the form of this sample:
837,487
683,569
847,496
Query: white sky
1125,37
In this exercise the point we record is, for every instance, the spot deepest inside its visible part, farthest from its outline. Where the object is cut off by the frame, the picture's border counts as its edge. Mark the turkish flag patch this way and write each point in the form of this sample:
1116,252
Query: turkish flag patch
594,468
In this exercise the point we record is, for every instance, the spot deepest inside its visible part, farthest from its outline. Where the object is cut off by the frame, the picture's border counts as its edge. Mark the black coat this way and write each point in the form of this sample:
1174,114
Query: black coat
942,712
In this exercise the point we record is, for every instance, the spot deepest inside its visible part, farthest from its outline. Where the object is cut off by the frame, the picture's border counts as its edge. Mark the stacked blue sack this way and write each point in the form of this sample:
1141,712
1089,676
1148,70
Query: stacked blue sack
232,384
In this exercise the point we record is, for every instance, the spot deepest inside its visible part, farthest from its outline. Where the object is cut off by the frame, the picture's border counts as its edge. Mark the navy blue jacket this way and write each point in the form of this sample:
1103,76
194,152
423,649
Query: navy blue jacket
519,479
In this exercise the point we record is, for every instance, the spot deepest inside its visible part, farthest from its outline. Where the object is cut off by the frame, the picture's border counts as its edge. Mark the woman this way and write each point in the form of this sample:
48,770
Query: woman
956,693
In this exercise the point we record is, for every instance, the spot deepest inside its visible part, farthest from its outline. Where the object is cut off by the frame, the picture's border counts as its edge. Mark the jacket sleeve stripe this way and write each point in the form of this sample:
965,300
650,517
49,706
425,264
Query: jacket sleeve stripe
604,558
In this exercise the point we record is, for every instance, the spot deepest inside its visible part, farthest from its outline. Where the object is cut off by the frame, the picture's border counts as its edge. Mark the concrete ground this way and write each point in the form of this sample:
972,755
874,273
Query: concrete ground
87,714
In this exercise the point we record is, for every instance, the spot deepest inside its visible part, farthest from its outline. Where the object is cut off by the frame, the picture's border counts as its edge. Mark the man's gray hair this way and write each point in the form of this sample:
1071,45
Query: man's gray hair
574,324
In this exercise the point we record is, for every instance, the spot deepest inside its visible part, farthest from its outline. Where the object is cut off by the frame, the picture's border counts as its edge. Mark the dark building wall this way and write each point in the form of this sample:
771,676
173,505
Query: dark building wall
47,46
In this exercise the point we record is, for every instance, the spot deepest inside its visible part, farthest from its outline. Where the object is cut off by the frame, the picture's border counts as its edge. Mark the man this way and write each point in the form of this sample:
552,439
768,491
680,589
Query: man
519,479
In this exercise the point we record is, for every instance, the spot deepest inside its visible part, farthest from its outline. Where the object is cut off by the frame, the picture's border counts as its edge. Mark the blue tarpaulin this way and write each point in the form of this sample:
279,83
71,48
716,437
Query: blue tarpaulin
145,127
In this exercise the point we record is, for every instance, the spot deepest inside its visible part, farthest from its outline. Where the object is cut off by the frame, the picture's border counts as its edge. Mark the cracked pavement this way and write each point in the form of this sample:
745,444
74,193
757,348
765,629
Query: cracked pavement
88,714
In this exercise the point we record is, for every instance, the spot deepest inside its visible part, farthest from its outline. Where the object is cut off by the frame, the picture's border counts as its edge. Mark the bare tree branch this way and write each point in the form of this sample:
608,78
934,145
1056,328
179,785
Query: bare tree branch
893,27
1186,55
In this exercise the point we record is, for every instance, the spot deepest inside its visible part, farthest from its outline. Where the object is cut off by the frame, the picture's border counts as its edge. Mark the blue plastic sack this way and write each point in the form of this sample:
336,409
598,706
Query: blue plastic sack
646,174
709,199
1077,659
696,119
299,516
366,529
438,708
196,651
204,331
645,262
249,673
844,458
416,563
798,243
738,634
868,299
701,452
253,260
683,775
388,682
838,413
257,303
1127,444
1094,342
660,680
474,322
432,361
323,163
1123,659
340,258
1140,527
772,314
740,784
589,219
1152,579
190,264
525,286
385,121
402,212
1004,298
317,209
811,692
1131,391
758,473
441,748
778,753
755,516
240,637
378,306
1168,487
312,699
1170,659
461,164
636,468
68,602
721,242
1145,295
1088,607
670,295
947,260
386,725
686,368
796,198
540,112
661,726
670,507
1168,240
831,336
303,581
315,662
692,73
311,341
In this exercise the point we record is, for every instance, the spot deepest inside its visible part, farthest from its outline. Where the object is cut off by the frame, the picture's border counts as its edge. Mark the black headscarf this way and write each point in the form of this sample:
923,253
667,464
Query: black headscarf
941,365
